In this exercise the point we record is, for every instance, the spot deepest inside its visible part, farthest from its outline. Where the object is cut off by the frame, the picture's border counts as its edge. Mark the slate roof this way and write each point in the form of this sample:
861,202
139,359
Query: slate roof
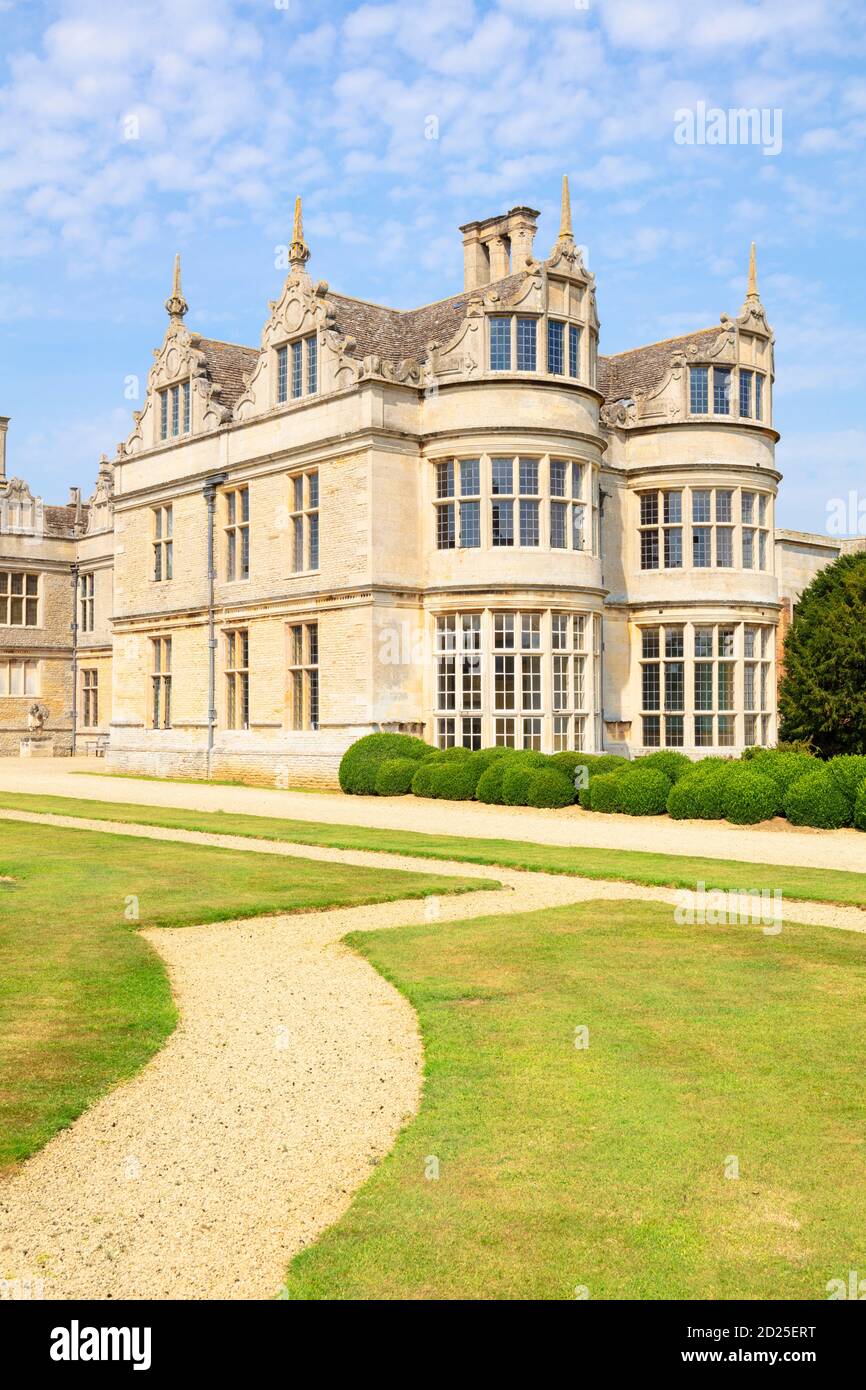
621,375
400,333
60,521
226,364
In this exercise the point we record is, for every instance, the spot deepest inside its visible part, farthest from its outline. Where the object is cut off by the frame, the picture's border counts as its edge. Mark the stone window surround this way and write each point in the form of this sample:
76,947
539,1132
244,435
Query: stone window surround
160,682
87,600
691,658
586,359
30,598
162,542
89,697
687,526
304,694
304,520
236,532
236,672
588,499
30,673
284,394
175,397
584,721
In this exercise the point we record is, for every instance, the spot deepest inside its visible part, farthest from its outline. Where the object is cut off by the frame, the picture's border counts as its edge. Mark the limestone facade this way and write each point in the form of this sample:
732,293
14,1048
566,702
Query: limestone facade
458,521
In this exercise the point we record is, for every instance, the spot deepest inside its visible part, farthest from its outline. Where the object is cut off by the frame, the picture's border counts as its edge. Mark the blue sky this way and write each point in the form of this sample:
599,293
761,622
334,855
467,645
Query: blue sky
237,105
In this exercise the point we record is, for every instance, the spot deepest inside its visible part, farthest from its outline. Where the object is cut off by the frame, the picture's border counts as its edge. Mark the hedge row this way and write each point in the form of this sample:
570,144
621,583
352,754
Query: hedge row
763,784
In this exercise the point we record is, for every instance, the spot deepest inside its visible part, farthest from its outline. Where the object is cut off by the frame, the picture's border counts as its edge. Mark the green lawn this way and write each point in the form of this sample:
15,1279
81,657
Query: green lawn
632,866
604,1168
84,1000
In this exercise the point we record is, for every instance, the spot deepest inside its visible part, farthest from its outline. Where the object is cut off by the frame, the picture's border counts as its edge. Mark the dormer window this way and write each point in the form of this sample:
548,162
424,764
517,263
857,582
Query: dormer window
297,369
174,410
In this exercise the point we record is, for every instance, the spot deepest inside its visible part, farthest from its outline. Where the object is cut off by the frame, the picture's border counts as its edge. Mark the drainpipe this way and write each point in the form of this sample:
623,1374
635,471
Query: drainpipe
601,496
209,491
74,573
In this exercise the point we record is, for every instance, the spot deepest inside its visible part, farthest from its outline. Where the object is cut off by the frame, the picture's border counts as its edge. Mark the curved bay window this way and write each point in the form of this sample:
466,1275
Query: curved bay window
516,679
706,685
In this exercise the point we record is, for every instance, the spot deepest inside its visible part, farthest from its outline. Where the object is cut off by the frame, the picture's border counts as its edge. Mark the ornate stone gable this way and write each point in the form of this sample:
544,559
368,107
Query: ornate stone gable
181,357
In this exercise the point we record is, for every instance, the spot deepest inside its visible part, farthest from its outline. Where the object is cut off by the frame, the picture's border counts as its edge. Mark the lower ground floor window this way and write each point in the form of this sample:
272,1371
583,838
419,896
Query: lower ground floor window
90,698
706,684
304,675
237,673
526,678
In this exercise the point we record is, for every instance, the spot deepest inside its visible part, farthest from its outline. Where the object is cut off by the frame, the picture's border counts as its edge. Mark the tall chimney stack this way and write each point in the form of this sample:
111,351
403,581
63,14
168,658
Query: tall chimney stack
4,425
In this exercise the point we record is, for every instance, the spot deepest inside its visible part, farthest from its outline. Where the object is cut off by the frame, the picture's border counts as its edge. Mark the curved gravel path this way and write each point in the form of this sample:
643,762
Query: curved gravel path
292,1069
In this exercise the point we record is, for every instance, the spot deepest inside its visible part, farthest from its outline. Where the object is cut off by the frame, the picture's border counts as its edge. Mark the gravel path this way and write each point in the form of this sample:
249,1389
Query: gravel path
776,842
292,1069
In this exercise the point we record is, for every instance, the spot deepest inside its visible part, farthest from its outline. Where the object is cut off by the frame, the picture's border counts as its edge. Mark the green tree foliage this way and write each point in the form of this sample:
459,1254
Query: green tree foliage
823,692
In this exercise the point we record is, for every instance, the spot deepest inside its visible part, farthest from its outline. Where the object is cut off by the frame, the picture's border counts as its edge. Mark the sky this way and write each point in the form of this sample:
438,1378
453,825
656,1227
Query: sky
131,131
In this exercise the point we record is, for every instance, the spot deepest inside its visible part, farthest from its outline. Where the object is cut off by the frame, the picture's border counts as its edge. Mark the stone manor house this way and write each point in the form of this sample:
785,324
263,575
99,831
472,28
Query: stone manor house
458,521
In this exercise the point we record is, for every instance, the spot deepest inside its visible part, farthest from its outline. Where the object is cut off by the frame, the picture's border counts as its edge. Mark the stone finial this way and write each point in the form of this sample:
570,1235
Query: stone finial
566,232
299,251
752,287
176,306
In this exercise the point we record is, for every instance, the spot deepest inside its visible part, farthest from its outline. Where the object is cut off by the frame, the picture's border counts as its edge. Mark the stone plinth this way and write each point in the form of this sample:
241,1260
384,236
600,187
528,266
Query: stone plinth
41,746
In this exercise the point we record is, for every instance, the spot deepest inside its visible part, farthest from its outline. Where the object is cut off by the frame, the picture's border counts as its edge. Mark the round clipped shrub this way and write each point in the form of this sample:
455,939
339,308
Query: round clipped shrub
860,809
394,777
483,758
674,765
360,764
422,782
489,788
848,772
784,768
748,797
705,766
597,765
698,796
644,791
549,787
603,792
816,799
515,781
454,780
456,753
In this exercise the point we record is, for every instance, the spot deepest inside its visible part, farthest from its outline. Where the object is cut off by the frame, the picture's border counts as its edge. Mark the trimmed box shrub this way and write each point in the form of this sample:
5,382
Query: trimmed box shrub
422,782
848,772
515,781
783,767
674,765
549,787
698,796
603,792
860,808
817,799
394,777
483,758
644,791
360,764
456,753
454,780
489,788
748,797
